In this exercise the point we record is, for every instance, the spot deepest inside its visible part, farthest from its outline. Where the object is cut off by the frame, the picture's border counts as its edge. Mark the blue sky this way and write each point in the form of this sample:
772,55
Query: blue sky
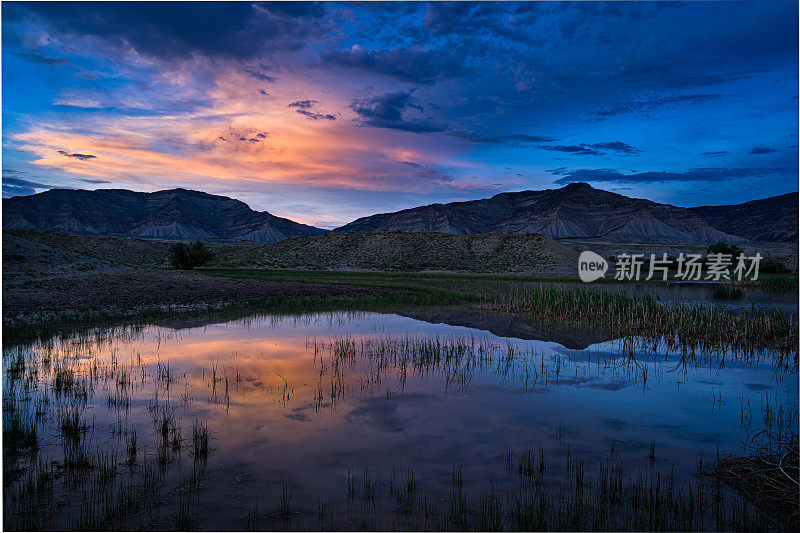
324,112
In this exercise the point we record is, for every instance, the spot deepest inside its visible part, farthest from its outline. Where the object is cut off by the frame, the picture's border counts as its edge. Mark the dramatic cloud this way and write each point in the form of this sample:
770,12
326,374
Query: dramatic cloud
391,111
615,146
181,29
287,104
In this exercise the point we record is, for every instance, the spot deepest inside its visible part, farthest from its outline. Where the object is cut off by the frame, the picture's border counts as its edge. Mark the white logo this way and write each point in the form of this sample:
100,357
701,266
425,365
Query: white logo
591,266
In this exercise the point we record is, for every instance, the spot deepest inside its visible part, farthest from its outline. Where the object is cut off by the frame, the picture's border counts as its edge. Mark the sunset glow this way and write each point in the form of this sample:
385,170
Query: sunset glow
326,112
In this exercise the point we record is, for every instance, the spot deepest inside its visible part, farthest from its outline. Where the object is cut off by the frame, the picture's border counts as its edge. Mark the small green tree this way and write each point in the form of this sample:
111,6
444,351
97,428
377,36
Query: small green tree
183,257
179,256
200,254
724,248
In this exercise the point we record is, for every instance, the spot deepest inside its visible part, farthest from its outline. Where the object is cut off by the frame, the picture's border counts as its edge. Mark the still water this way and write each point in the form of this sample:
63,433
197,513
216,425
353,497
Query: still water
307,415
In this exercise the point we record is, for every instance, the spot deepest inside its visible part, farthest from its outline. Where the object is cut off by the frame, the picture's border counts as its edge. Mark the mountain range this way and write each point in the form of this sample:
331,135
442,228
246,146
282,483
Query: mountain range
769,220
579,211
170,214
575,211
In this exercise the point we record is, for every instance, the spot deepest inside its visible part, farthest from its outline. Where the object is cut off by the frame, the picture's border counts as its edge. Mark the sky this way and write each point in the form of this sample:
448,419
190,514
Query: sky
326,112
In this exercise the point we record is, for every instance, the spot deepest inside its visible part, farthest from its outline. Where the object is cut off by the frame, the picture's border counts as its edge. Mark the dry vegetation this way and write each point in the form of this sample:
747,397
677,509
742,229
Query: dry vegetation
767,475
390,250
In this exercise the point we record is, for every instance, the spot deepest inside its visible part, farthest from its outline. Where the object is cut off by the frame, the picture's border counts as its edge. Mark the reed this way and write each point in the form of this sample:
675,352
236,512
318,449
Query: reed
687,327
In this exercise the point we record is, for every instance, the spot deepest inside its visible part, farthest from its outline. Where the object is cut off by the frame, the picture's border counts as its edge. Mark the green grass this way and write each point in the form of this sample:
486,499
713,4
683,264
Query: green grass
476,285
432,281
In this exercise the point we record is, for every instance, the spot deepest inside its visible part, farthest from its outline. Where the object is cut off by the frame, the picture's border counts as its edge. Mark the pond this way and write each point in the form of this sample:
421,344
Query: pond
364,421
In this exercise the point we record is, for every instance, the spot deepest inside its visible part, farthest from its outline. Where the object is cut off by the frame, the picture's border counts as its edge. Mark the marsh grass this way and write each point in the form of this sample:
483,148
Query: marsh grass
47,392
615,498
200,440
19,430
687,327
284,504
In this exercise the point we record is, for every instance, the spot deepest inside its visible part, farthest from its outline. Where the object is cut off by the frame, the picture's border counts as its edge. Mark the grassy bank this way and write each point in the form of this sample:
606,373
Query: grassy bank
689,327
40,326
454,281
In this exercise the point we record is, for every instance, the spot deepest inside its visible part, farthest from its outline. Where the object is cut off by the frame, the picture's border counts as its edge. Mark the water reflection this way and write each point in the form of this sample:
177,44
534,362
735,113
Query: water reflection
301,403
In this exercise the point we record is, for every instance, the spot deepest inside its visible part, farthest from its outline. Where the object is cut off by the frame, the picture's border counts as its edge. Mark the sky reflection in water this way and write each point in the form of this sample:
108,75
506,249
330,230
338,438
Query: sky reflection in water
280,411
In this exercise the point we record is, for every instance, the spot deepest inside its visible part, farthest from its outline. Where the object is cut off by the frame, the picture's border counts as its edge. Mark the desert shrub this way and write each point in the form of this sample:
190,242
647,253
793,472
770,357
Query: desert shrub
185,257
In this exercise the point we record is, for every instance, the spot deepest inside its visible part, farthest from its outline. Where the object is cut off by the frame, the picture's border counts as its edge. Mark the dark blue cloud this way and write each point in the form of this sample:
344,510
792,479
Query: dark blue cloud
761,149
388,111
651,103
418,65
696,174
16,186
303,104
304,107
180,29
425,172
617,147
498,138
37,56
82,157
